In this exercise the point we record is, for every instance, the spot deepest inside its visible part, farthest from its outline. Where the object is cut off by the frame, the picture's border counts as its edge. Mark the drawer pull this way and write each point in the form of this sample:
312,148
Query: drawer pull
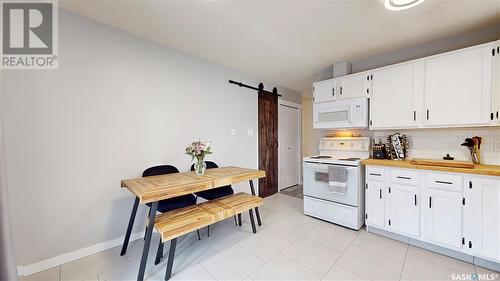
377,175
415,199
444,182
404,178
430,202
380,193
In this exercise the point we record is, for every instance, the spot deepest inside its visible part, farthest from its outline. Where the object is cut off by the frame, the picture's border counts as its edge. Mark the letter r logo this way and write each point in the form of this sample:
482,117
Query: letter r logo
27,28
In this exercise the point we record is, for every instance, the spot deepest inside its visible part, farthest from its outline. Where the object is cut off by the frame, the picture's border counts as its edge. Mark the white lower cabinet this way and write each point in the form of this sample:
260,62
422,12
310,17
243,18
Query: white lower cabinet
375,204
442,218
404,213
456,211
482,217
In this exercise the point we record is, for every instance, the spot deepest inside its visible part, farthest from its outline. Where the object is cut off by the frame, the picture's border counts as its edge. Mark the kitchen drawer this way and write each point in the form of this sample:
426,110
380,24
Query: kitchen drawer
375,174
444,181
405,177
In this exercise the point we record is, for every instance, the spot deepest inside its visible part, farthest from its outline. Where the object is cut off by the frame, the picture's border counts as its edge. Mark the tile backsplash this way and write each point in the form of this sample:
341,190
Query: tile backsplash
436,143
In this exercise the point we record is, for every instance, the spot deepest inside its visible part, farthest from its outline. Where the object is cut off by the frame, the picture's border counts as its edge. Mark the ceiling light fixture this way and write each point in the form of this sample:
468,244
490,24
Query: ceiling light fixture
396,5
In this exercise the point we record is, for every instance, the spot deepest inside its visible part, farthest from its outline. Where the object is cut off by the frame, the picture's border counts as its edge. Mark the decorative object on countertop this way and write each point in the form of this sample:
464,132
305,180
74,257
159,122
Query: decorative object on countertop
379,150
198,150
474,145
398,146
448,157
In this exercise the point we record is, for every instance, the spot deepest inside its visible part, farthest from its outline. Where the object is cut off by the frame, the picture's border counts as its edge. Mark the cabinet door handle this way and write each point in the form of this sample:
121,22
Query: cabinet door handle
415,196
427,114
341,90
497,114
444,182
404,178
491,116
380,193
414,115
333,91
430,202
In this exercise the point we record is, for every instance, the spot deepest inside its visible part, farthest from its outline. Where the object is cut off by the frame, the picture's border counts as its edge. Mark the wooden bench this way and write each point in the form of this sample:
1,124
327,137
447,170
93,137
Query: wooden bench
176,223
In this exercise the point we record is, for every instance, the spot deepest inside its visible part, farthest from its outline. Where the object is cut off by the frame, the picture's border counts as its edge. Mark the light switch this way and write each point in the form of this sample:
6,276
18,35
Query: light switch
233,132
250,132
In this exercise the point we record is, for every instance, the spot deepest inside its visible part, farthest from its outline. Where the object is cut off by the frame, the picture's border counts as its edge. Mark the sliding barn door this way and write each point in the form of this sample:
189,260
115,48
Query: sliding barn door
268,143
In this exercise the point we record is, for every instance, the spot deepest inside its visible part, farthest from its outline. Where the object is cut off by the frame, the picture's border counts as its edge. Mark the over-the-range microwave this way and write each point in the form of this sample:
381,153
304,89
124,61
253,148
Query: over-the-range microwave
341,114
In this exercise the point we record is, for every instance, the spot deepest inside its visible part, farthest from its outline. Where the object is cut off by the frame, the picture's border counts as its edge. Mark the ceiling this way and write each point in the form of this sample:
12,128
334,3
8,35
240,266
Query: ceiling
288,42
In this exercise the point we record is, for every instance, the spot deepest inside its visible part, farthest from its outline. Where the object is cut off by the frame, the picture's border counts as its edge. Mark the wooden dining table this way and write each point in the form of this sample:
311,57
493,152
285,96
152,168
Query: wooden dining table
155,188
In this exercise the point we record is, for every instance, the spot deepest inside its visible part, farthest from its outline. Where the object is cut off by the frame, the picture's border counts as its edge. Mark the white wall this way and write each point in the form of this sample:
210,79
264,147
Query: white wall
117,105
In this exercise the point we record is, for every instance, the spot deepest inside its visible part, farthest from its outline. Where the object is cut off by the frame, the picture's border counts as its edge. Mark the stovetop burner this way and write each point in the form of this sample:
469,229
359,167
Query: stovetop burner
320,157
350,159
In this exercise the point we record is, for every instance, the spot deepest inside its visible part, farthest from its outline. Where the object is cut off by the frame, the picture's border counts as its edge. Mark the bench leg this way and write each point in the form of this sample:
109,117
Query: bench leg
235,220
159,252
257,214
170,263
254,229
208,230
239,220
146,230
147,243
130,226
198,232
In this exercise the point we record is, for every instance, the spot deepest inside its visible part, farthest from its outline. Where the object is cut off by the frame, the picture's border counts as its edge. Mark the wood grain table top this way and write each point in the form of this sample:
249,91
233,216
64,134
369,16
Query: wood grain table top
488,170
156,188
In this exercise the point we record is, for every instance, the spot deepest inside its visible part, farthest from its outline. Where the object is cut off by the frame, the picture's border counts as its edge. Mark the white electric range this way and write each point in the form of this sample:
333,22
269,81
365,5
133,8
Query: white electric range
320,201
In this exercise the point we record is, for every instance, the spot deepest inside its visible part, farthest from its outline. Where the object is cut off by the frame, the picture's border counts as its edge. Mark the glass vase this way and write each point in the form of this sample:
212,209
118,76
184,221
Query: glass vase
200,167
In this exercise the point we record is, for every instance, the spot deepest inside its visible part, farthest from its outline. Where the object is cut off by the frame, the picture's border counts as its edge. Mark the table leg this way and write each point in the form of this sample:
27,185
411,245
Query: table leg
130,226
149,233
257,214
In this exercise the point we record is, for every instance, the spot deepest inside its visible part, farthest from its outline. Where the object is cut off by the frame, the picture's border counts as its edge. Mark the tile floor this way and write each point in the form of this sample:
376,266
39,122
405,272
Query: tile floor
289,246
295,191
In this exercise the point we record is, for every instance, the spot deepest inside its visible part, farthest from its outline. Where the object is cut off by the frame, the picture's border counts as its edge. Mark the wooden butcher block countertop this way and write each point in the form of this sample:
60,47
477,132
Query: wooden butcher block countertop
489,170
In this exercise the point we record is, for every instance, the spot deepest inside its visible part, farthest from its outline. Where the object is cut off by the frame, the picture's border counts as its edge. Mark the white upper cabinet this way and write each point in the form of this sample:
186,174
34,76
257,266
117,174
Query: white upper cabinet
482,217
396,91
458,87
495,91
325,90
354,86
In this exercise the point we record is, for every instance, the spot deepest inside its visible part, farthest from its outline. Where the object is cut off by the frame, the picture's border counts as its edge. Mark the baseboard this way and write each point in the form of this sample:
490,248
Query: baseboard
24,270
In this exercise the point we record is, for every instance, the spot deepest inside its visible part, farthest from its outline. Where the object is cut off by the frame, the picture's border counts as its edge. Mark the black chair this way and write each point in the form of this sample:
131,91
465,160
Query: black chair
168,204
214,193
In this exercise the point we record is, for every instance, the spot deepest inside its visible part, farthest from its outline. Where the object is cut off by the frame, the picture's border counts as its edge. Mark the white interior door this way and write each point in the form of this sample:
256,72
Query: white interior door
289,145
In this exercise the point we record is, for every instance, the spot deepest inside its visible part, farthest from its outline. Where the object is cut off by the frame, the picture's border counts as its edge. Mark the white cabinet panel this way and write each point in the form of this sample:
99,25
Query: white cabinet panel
325,90
458,87
496,84
354,86
482,217
442,218
396,91
375,204
404,213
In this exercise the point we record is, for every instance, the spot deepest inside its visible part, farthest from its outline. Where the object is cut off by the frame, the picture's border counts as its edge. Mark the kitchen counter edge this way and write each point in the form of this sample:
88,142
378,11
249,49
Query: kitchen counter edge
488,170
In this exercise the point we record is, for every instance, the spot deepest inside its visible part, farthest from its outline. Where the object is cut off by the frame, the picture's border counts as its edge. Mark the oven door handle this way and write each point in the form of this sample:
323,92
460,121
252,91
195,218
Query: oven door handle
319,167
